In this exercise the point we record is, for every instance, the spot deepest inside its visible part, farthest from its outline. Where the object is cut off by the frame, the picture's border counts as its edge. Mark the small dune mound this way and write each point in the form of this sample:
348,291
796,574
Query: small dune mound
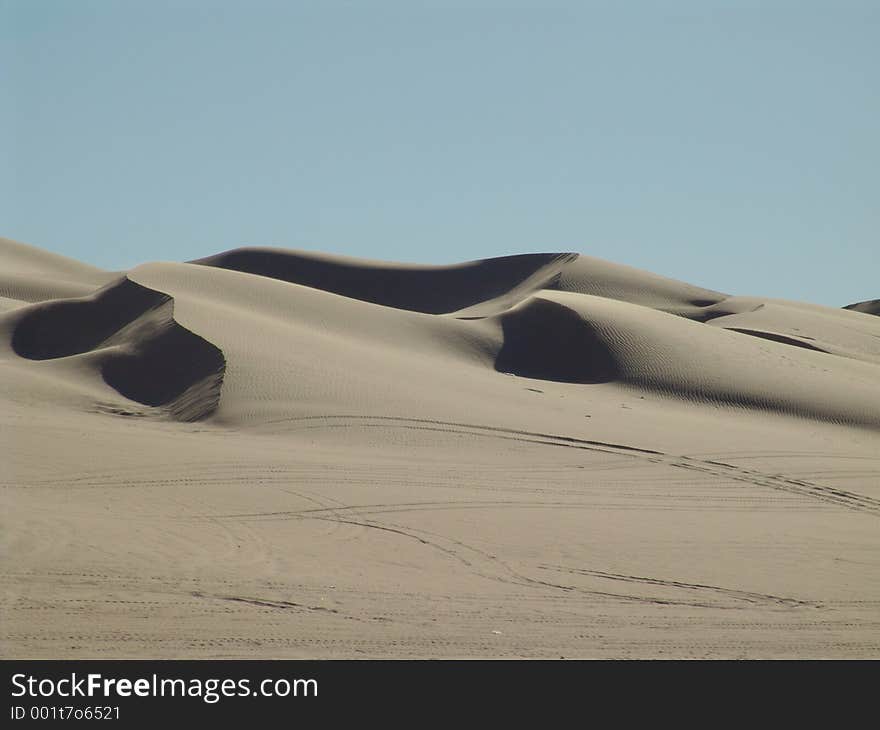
872,306
427,289
22,259
141,351
545,340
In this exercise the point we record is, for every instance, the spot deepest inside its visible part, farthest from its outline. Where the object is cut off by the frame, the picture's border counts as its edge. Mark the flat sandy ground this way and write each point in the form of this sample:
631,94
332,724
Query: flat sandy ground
274,454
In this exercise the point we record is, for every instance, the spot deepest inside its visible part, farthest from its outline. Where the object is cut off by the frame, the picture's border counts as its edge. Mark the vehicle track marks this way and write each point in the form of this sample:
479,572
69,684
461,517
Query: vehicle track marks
832,495
748,596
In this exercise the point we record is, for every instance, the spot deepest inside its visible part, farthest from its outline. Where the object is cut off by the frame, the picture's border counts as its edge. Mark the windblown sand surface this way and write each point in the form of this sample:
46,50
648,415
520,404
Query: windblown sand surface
272,453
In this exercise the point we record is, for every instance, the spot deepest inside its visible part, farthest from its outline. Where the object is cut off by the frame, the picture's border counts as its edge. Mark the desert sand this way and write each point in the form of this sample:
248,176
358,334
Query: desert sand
272,453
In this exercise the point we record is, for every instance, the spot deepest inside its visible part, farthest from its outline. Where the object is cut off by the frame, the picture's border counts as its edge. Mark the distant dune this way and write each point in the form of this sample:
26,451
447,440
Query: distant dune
278,453
872,306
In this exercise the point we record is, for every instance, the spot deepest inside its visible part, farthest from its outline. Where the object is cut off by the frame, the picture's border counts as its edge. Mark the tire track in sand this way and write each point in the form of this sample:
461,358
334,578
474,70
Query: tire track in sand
831,495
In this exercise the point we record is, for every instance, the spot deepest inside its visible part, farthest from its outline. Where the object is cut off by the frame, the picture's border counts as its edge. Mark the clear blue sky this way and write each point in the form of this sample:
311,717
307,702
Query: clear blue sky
735,145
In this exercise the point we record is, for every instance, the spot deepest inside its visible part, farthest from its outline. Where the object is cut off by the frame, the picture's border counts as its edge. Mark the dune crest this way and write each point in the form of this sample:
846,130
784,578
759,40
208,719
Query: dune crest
429,289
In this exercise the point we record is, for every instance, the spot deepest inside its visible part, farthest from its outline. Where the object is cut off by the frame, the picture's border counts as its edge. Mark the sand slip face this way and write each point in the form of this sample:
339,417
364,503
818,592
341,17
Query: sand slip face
275,453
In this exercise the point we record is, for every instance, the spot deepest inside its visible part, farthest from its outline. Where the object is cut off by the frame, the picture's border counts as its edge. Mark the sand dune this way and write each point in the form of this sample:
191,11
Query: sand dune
871,306
279,453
